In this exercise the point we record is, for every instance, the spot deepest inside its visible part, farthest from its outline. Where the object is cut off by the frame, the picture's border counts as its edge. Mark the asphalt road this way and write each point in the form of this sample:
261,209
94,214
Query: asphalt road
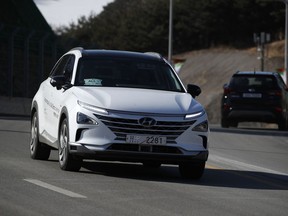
246,174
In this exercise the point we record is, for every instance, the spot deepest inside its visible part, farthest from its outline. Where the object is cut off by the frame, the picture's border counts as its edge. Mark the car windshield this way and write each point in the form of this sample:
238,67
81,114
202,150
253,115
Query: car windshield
126,73
253,82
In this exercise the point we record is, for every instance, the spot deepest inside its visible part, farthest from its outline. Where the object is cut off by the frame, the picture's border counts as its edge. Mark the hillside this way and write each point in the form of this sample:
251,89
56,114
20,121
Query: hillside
211,69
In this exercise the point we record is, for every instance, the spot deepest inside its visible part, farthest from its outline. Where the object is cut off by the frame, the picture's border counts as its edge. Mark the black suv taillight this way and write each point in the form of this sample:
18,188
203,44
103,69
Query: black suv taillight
227,90
278,109
275,93
226,107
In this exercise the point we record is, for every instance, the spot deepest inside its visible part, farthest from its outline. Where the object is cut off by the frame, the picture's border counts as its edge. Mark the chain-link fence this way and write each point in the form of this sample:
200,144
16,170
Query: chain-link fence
26,58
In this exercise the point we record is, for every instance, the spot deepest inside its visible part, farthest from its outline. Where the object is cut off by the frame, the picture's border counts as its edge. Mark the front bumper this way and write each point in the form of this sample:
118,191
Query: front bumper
106,140
139,153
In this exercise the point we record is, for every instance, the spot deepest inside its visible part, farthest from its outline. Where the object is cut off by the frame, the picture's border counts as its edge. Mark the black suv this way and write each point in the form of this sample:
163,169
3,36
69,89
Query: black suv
255,97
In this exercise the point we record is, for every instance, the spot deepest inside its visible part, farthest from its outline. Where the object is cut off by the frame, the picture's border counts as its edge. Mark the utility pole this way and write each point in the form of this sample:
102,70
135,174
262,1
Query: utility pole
260,40
170,43
286,42
285,77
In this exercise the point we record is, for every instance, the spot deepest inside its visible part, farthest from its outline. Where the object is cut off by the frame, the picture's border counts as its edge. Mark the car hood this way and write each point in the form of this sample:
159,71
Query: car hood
138,100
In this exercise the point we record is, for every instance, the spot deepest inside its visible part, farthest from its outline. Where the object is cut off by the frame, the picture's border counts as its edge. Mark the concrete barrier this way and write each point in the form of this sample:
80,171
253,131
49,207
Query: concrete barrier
15,106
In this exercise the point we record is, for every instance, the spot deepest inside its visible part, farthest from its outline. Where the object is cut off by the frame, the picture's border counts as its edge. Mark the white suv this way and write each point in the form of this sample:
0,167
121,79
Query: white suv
122,106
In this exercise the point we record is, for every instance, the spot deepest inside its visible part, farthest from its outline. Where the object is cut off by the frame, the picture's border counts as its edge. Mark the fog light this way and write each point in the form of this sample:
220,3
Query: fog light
84,119
202,127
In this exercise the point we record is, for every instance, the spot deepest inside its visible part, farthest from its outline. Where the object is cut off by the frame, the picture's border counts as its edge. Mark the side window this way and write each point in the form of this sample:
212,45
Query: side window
281,82
64,67
68,70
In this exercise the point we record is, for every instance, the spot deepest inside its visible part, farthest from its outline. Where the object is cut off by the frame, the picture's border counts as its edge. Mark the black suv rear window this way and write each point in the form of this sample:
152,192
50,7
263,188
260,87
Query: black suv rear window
253,82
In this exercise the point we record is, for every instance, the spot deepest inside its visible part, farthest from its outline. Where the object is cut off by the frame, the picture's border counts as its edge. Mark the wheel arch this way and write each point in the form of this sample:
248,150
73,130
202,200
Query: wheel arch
34,109
63,115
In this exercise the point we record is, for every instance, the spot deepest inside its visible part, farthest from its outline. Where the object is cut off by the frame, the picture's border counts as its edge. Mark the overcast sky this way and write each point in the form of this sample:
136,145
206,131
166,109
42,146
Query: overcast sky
64,12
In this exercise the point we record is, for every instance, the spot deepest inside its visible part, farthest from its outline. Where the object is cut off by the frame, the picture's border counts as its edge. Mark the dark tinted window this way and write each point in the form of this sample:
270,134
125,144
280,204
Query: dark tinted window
281,82
126,73
253,82
64,67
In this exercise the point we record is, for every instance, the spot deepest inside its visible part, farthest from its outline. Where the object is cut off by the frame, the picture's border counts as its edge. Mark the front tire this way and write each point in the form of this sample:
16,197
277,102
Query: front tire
67,161
192,170
38,150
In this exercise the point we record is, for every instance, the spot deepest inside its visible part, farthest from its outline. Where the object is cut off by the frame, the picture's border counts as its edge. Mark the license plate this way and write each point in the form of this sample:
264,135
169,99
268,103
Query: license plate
148,140
252,95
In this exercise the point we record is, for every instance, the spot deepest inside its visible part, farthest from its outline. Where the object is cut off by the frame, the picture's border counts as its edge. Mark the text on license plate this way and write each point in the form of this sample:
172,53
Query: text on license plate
252,95
151,140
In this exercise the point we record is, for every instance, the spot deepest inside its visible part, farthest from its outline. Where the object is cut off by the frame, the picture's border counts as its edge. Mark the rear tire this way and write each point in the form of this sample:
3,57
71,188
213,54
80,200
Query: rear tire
234,124
192,170
67,161
283,124
224,123
38,150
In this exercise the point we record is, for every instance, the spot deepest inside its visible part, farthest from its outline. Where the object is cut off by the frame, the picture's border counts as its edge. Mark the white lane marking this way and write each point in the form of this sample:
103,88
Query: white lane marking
243,166
54,188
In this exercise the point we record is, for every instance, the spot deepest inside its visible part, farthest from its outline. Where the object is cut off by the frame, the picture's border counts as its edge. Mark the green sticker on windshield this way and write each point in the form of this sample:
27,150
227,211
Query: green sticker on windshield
93,82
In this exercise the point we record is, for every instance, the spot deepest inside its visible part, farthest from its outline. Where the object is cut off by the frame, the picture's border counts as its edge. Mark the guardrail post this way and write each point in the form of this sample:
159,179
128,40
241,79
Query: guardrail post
26,62
41,56
11,60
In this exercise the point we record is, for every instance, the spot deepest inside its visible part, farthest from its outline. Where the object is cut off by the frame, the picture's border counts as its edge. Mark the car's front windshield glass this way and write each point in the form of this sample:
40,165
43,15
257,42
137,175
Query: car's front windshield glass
126,73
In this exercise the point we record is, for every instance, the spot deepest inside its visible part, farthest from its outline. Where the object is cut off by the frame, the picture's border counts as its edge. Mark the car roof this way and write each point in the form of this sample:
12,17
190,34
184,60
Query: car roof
258,73
117,53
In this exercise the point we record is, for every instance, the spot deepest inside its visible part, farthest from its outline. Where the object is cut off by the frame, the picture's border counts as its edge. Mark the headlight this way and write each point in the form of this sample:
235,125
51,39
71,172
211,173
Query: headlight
202,127
84,119
194,115
93,108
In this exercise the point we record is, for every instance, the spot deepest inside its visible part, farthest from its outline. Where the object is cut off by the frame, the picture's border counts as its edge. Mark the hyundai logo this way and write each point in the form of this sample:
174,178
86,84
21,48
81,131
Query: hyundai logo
147,122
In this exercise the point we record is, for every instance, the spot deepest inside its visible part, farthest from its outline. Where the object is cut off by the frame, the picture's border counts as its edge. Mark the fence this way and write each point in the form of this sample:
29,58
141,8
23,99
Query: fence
26,58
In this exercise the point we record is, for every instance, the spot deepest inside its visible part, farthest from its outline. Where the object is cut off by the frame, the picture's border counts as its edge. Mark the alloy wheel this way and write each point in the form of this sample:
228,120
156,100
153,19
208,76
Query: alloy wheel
63,145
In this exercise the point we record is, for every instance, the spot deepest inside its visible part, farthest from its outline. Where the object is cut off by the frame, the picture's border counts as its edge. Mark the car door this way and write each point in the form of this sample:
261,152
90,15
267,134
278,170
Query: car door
54,98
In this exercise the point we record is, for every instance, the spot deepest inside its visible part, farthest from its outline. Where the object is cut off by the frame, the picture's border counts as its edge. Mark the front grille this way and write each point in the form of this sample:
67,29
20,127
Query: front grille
122,127
143,148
